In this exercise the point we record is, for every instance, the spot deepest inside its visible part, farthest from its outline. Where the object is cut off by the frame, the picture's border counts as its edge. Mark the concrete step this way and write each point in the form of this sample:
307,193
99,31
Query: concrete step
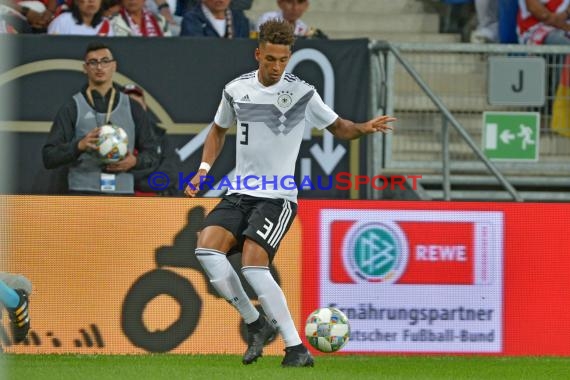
422,131
549,166
398,21
459,80
484,187
397,37
477,195
404,23
343,6
488,180
443,83
440,61
414,123
420,102
427,146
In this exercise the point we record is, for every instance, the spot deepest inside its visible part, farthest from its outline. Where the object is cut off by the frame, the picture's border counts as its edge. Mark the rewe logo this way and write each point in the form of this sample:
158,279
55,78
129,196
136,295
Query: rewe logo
375,252
407,247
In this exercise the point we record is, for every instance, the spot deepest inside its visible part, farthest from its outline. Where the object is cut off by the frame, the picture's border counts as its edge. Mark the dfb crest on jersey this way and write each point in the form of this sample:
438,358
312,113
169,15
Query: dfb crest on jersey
284,98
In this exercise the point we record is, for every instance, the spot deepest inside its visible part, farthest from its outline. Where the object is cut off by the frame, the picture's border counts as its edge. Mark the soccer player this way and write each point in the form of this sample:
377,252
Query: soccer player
14,293
272,109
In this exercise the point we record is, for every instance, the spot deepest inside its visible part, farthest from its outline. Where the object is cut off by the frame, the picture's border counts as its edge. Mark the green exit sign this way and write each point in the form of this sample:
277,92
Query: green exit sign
511,136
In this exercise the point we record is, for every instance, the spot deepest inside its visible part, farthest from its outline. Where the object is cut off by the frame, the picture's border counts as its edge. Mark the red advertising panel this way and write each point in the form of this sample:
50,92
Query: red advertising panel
413,277
441,277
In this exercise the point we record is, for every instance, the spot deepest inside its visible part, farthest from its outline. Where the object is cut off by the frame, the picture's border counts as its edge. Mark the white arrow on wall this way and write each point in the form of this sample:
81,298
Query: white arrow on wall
507,136
328,156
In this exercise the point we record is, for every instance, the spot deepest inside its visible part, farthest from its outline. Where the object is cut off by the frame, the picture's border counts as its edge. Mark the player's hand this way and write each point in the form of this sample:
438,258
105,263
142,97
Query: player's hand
380,124
124,165
194,186
89,141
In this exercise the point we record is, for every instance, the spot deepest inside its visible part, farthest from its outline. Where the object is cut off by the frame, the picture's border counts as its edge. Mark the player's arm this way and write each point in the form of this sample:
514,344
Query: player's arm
212,148
214,143
348,130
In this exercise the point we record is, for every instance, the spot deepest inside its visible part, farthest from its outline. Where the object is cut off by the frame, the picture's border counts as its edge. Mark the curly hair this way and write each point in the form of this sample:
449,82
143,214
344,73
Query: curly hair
278,32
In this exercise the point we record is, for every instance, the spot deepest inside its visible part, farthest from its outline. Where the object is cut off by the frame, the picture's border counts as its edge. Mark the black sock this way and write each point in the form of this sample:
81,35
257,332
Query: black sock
258,324
299,348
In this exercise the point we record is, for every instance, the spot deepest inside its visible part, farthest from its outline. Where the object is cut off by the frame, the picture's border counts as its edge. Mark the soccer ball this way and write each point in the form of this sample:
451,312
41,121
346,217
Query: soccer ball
327,329
112,145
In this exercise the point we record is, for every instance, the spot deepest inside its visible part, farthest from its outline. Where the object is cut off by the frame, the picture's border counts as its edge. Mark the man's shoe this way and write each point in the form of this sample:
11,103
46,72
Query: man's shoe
297,356
20,317
256,339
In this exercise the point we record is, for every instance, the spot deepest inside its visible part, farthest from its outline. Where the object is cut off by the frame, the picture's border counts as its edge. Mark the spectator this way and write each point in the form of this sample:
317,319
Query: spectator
544,22
84,18
292,11
182,6
214,18
74,133
134,19
487,22
164,8
12,22
23,17
111,8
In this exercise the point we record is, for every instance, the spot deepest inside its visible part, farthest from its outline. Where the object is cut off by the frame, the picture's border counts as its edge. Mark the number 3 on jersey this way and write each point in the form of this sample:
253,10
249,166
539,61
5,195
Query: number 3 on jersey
244,135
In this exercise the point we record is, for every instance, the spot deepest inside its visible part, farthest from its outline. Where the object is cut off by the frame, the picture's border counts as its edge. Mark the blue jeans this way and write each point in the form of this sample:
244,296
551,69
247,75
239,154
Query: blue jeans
557,37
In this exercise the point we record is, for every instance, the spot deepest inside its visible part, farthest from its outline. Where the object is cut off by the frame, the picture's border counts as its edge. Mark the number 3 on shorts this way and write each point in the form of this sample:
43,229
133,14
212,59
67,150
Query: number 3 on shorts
267,227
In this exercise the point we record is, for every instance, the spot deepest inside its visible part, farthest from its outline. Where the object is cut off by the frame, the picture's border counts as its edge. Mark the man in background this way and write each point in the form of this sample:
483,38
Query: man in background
74,134
292,11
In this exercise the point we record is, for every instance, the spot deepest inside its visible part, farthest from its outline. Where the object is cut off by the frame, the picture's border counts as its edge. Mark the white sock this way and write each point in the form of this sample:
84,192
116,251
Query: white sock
226,281
273,302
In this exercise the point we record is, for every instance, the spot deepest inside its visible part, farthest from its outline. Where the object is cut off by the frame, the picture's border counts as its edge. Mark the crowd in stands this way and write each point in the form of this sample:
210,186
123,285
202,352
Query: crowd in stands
147,18
505,21
532,22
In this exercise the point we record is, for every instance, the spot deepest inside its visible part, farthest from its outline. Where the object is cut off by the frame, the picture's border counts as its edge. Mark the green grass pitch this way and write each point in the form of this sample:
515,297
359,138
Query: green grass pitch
227,367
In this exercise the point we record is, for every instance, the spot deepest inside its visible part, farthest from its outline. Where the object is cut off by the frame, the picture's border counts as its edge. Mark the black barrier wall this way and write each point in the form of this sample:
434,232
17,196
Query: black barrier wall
183,78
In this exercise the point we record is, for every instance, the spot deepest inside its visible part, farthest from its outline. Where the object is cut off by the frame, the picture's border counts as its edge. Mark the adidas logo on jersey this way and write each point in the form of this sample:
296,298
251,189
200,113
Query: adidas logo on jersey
245,99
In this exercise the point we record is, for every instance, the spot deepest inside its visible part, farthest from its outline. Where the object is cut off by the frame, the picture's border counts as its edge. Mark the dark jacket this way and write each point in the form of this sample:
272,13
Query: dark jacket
195,24
182,6
60,149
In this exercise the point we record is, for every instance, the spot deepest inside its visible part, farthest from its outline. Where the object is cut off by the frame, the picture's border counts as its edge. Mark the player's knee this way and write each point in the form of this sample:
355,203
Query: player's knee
216,238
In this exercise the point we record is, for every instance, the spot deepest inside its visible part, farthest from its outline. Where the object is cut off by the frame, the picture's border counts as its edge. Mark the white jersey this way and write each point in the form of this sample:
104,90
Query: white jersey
66,24
270,125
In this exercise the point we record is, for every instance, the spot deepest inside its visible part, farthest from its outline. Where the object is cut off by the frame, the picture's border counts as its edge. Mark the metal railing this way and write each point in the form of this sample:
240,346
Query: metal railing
430,85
